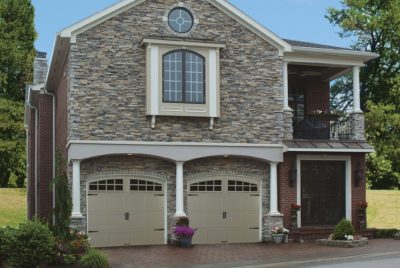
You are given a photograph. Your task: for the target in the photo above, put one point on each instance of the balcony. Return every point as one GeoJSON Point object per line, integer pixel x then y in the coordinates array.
{"type": "Point", "coordinates": [322, 127]}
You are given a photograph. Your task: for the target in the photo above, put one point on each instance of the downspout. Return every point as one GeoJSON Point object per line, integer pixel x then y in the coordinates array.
{"type": "Point", "coordinates": [54, 146]}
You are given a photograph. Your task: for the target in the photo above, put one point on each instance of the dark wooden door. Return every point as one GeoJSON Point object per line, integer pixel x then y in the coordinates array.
{"type": "Point", "coordinates": [323, 194]}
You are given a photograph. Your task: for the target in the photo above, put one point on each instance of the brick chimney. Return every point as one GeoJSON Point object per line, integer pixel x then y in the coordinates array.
{"type": "Point", "coordinates": [40, 68]}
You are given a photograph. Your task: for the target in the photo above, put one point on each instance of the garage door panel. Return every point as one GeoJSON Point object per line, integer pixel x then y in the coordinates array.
{"type": "Point", "coordinates": [242, 235]}
{"type": "Point", "coordinates": [230, 215]}
{"type": "Point", "coordinates": [144, 225]}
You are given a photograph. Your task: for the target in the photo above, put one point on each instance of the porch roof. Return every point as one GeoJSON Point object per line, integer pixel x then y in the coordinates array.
{"type": "Point", "coordinates": [328, 146]}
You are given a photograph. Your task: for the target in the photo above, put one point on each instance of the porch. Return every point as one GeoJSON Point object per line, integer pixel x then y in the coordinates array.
{"type": "Point", "coordinates": [307, 103]}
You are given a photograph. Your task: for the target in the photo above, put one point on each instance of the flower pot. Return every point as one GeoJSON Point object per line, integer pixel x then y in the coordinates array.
{"type": "Point", "coordinates": [185, 241]}
{"type": "Point", "coordinates": [278, 238]}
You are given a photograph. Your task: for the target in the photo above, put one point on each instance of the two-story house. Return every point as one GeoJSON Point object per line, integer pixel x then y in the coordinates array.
{"type": "Point", "coordinates": [169, 108]}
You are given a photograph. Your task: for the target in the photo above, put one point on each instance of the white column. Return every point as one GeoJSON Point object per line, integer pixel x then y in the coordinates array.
{"type": "Point", "coordinates": [356, 90]}
{"type": "Point", "coordinates": [76, 189]}
{"type": "Point", "coordinates": [273, 187]}
{"type": "Point", "coordinates": [285, 86]}
{"type": "Point", "coordinates": [179, 190]}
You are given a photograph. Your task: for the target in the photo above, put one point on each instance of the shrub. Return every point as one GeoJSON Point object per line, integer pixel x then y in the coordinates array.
{"type": "Point", "coordinates": [385, 233]}
{"type": "Point", "coordinates": [29, 245]}
{"type": "Point", "coordinates": [3, 240]}
{"type": "Point", "coordinates": [94, 259]}
{"type": "Point", "coordinates": [343, 228]}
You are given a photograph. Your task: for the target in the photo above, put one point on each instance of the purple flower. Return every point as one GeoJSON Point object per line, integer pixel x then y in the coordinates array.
{"type": "Point", "coordinates": [184, 231]}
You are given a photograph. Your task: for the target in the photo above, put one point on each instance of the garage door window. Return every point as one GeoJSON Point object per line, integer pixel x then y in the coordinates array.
{"type": "Point", "coordinates": [145, 186]}
{"type": "Point", "coordinates": [107, 185]}
{"type": "Point", "coordinates": [206, 186]}
{"type": "Point", "coordinates": [241, 186]}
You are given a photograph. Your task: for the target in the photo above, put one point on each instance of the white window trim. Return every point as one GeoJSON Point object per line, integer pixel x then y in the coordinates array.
{"type": "Point", "coordinates": [155, 49]}
{"type": "Point", "coordinates": [348, 184]}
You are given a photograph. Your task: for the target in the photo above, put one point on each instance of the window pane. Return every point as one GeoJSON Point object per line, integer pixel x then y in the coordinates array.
{"type": "Point", "coordinates": [173, 77]}
{"type": "Point", "coordinates": [194, 72]}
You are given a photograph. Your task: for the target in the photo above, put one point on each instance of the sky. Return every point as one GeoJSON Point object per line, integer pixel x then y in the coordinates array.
{"type": "Point", "coordinates": [302, 20]}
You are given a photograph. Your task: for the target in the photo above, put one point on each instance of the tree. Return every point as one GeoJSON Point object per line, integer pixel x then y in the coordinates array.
{"type": "Point", "coordinates": [376, 26]}
{"type": "Point", "coordinates": [12, 141]}
{"type": "Point", "coordinates": [17, 36]}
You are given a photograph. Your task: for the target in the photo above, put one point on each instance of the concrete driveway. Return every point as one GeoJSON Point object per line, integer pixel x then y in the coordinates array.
{"type": "Point", "coordinates": [248, 255]}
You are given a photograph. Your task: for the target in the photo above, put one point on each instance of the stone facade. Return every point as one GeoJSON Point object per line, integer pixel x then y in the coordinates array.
{"type": "Point", "coordinates": [146, 166]}
{"type": "Point", "coordinates": [288, 125]}
{"type": "Point", "coordinates": [39, 68]}
{"type": "Point", "coordinates": [357, 126]}
{"type": "Point", "coordinates": [108, 81]}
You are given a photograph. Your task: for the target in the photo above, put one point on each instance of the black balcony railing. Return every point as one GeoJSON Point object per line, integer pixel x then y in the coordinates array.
{"type": "Point", "coordinates": [322, 127]}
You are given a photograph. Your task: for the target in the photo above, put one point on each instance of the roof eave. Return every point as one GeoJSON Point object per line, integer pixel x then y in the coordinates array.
{"type": "Point", "coordinates": [362, 55]}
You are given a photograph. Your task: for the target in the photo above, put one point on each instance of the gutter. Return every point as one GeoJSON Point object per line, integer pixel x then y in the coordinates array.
{"type": "Point", "coordinates": [335, 52]}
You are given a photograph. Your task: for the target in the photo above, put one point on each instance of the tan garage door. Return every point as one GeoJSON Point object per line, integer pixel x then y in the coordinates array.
{"type": "Point", "coordinates": [124, 212]}
{"type": "Point", "coordinates": [224, 210]}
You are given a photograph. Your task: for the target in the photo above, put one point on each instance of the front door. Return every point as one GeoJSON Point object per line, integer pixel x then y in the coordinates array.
{"type": "Point", "coordinates": [323, 194]}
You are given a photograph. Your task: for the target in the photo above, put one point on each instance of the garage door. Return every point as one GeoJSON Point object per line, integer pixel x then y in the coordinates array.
{"type": "Point", "coordinates": [123, 212]}
{"type": "Point", "coordinates": [224, 210]}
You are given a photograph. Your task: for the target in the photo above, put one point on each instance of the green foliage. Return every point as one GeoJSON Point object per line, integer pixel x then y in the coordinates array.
{"type": "Point", "coordinates": [63, 205]}
{"type": "Point", "coordinates": [94, 259]}
{"type": "Point", "coordinates": [17, 36]}
{"type": "Point", "coordinates": [12, 181]}
{"type": "Point", "coordinates": [383, 121]}
{"type": "Point", "coordinates": [29, 245]}
{"type": "Point", "coordinates": [375, 24]}
{"type": "Point", "coordinates": [12, 142]}
{"type": "Point", "coordinates": [343, 228]}
{"type": "Point", "coordinates": [2, 243]}
{"type": "Point", "coordinates": [385, 233]}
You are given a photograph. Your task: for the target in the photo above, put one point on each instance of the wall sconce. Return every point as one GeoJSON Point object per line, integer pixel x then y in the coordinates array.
{"type": "Point", "coordinates": [358, 175]}
{"type": "Point", "coordinates": [292, 174]}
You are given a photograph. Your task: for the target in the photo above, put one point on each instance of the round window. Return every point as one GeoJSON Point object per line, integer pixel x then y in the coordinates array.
{"type": "Point", "coordinates": [180, 20]}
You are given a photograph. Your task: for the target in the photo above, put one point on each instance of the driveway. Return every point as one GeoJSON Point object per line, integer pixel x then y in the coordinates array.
{"type": "Point", "coordinates": [239, 255]}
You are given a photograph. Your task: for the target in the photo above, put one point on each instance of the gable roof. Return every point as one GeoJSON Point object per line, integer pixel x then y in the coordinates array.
{"type": "Point", "coordinates": [223, 5]}
{"type": "Point", "coordinates": [297, 43]}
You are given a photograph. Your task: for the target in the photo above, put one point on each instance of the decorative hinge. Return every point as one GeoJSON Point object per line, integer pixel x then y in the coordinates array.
{"type": "Point", "coordinates": [93, 232]}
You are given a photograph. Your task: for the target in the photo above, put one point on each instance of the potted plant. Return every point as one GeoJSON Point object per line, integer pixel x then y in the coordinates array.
{"type": "Point", "coordinates": [184, 235]}
{"type": "Point", "coordinates": [294, 208]}
{"type": "Point", "coordinates": [279, 234]}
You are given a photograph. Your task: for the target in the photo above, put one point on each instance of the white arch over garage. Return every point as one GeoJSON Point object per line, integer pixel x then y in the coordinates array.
{"type": "Point", "coordinates": [178, 152]}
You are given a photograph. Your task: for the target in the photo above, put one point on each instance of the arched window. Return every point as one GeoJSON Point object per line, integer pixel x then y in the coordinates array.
{"type": "Point", "coordinates": [183, 77]}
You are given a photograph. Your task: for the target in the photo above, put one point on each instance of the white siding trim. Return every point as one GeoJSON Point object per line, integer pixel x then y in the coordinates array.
{"type": "Point", "coordinates": [212, 66]}
{"type": "Point", "coordinates": [154, 79]}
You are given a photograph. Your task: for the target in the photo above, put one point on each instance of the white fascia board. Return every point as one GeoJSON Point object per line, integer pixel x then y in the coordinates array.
{"type": "Point", "coordinates": [150, 41]}
{"type": "Point", "coordinates": [251, 24]}
{"type": "Point", "coordinates": [355, 53]}
{"type": "Point", "coordinates": [200, 144]}
{"type": "Point", "coordinates": [101, 16]}
{"type": "Point", "coordinates": [327, 150]}
{"type": "Point", "coordinates": [333, 57]}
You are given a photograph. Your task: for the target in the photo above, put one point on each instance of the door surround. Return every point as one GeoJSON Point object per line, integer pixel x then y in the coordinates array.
{"type": "Point", "coordinates": [324, 157]}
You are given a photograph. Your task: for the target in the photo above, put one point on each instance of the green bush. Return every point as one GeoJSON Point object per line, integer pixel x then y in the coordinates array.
{"type": "Point", "coordinates": [29, 245]}
{"type": "Point", "coordinates": [385, 233]}
{"type": "Point", "coordinates": [343, 228]}
{"type": "Point", "coordinates": [2, 243]}
{"type": "Point", "coordinates": [94, 259]}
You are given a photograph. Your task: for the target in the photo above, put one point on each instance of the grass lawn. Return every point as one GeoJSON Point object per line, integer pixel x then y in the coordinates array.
{"type": "Point", "coordinates": [12, 206]}
{"type": "Point", "coordinates": [383, 209]}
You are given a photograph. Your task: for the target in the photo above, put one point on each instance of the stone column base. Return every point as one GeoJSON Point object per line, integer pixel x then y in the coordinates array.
{"type": "Point", "coordinates": [78, 223]}
{"type": "Point", "coordinates": [271, 221]}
